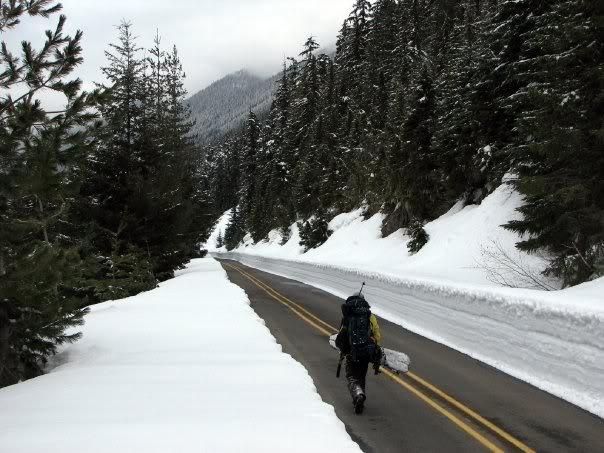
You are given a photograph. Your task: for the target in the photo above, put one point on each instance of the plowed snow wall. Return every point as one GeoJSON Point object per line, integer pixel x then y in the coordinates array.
{"type": "Point", "coordinates": [557, 350]}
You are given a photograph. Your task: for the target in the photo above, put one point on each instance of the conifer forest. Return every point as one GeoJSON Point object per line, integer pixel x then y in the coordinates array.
{"type": "Point", "coordinates": [423, 104]}
{"type": "Point", "coordinates": [427, 102]}
{"type": "Point", "coordinates": [98, 201]}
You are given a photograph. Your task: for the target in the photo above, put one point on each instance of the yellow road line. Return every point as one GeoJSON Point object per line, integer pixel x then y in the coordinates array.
{"type": "Point", "coordinates": [285, 300]}
{"type": "Point", "coordinates": [278, 299]}
{"type": "Point", "coordinates": [487, 443]}
{"type": "Point", "coordinates": [275, 295]}
{"type": "Point", "coordinates": [473, 414]}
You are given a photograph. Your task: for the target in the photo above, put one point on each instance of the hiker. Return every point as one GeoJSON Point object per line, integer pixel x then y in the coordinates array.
{"type": "Point", "coordinates": [358, 339]}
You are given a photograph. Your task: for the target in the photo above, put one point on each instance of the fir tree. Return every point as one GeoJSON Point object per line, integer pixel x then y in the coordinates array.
{"type": "Point", "coordinates": [419, 236]}
{"type": "Point", "coordinates": [219, 240]}
{"type": "Point", "coordinates": [561, 167]}
{"type": "Point", "coordinates": [235, 231]}
{"type": "Point", "coordinates": [411, 161]}
{"type": "Point", "coordinates": [248, 168]}
{"type": "Point", "coordinates": [429, 102]}
{"type": "Point", "coordinates": [464, 158]}
{"type": "Point", "coordinates": [281, 161]}
{"type": "Point", "coordinates": [172, 217]}
{"type": "Point", "coordinates": [107, 198]}
{"type": "Point", "coordinates": [40, 156]}
{"type": "Point", "coordinates": [314, 231]}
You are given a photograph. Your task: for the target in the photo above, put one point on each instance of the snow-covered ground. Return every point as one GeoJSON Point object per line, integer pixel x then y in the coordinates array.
{"type": "Point", "coordinates": [187, 367]}
{"type": "Point", "coordinates": [458, 249]}
{"type": "Point", "coordinates": [552, 339]}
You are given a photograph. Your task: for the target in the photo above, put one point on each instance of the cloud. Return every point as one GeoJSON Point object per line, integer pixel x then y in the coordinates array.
{"type": "Point", "coordinates": [213, 37]}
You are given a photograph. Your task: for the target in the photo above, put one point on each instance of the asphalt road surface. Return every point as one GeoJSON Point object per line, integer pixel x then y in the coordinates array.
{"type": "Point", "coordinates": [448, 402]}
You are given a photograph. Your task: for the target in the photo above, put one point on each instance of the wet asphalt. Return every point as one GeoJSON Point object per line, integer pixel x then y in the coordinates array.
{"type": "Point", "coordinates": [396, 419]}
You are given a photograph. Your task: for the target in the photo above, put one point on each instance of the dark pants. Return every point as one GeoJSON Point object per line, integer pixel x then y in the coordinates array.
{"type": "Point", "coordinates": [355, 374]}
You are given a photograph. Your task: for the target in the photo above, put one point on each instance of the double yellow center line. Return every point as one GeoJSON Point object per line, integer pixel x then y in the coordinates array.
{"type": "Point", "coordinates": [329, 330]}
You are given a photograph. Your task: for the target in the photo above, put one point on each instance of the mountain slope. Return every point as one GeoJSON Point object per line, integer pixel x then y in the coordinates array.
{"type": "Point", "coordinates": [224, 105]}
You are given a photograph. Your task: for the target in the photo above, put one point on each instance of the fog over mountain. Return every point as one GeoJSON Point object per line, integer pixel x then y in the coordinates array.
{"type": "Point", "coordinates": [224, 105]}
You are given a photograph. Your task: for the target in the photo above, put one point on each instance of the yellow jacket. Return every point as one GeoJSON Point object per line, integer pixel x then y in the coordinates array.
{"type": "Point", "coordinates": [376, 336]}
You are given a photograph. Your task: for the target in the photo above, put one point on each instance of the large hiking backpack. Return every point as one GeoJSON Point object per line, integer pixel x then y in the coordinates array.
{"type": "Point", "coordinates": [356, 313]}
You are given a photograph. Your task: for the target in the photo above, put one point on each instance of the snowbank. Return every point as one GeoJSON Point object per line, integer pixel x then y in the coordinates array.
{"type": "Point", "coordinates": [545, 341]}
{"type": "Point", "coordinates": [218, 230]}
{"type": "Point", "coordinates": [553, 340]}
{"type": "Point", "coordinates": [186, 367]}
{"type": "Point", "coordinates": [455, 252]}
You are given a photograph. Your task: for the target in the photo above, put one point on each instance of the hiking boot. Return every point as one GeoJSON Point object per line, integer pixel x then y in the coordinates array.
{"type": "Point", "coordinates": [359, 402]}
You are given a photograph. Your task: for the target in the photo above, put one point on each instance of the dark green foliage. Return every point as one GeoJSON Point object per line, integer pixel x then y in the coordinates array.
{"type": "Point", "coordinates": [418, 235]}
{"type": "Point", "coordinates": [235, 232]}
{"type": "Point", "coordinates": [118, 275]}
{"type": "Point", "coordinates": [427, 103]}
{"type": "Point", "coordinates": [314, 231]}
{"type": "Point", "coordinates": [142, 190]}
{"type": "Point", "coordinates": [220, 240]}
{"type": "Point", "coordinates": [414, 167]}
{"type": "Point", "coordinates": [89, 210]}
{"type": "Point", "coordinates": [40, 158]}
{"type": "Point", "coordinates": [561, 169]}
{"type": "Point", "coordinates": [36, 309]}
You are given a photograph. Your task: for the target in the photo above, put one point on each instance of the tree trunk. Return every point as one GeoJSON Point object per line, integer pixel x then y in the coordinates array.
{"type": "Point", "coordinates": [2, 265]}
{"type": "Point", "coordinates": [5, 329]}
{"type": "Point", "coordinates": [43, 222]}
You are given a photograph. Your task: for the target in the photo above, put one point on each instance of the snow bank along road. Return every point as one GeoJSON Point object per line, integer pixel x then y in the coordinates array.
{"type": "Point", "coordinates": [449, 402]}
{"type": "Point", "coordinates": [555, 347]}
{"type": "Point", "coordinates": [187, 367]}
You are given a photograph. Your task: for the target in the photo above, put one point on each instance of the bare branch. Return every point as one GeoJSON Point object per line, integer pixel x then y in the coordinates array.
{"type": "Point", "coordinates": [511, 271]}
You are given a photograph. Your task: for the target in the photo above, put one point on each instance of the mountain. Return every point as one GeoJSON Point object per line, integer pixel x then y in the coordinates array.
{"type": "Point", "coordinates": [224, 105]}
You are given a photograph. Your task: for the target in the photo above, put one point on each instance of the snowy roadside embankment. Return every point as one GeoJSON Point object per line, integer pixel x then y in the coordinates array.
{"type": "Point", "coordinates": [445, 292]}
{"type": "Point", "coordinates": [186, 367]}
{"type": "Point", "coordinates": [539, 337]}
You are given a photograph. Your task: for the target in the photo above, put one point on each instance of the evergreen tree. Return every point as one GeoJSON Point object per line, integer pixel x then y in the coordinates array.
{"type": "Point", "coordinates": [429, 102]}
{"type": "Point", "coordinates": [40, 157]}
{"type": "Point", "coordinates": [381, 59]}
{"type": "Point", "coordinates": [221, 166]}
{"type": "Point", "coordinates": [413, 166]}
{"type": "Point", "coordinates": [144, 186]}
{"type": "Point", "coordinates": [419, 236]}
{"type": "Point", "coordinates": [169, 208]}
{"type": "Point", "coordinates": [314, 231]}
{"type": "Point", "coordinates": [108, 199]}
{"type": "Point", "coordinates": [561, 168]}
{"type": "Point", "coordinates": [220, 240]}
{"type": "Point", "coordinates": [248, 168]}
{"type": "Point", "coordinates": [281, 162]}
{"type": "Point", "coordinates": [309, 130]}
{"type": "Point", "coordinates": [463, 156]}
{"type": "Point", "coordinates": [235, 231]}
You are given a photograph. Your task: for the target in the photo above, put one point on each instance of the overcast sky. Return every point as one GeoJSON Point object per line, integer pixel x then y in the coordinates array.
{"type": "Point", "coordinates": [213, 37]}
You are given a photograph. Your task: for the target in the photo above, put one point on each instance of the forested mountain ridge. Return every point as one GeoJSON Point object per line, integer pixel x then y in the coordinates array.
{"type": "Point", "coordinates": [224, 105]}
{"type": "Point", "coordinates": [426, 103]}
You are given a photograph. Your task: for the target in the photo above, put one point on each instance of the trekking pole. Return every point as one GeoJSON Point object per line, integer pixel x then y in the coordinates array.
{"type": "Point", "coordinates": [361, 291]}
{"type": "Point", "coordinates": [339, 365]}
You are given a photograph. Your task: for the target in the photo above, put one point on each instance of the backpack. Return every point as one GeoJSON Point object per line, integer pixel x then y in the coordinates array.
{"type": "Point", "coordinates": [356, 320]}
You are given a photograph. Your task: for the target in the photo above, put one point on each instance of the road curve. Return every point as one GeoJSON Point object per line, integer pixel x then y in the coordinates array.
{"type": "Point", "coordinates": [448, 403]}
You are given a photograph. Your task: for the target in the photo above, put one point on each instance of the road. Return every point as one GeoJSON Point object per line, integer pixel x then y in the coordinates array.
{"type": "Point", "coordinates": [449, 402]}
